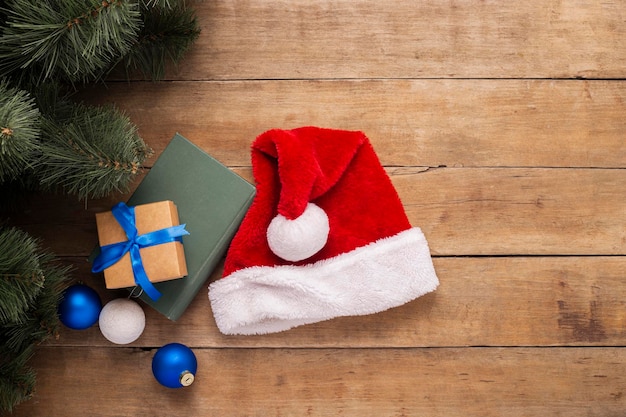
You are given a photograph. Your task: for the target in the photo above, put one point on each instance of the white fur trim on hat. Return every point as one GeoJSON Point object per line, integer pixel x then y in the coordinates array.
{"type": "Point", "coordinates": [383, 274]}
{"type": "Point", "coordinates": [300, 238]}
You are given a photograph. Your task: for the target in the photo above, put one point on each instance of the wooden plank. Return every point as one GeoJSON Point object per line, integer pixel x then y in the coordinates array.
{"type": "Point", "coordinates": [372, 39]}
{"type": "Point", "coordinates": [517, 301]}
{"type": "Point", "coordinates": [322, 382]}
{"type": "Point", "coordinates": [462, 212]}
{"type": "Point", "coordinates": [454, 123]}
{"type": "Point", "coordinates": [517, 211]}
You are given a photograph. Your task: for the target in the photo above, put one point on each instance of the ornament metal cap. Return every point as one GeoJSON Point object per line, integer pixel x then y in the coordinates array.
{"type": "Point", "coordinates": [186, 378]}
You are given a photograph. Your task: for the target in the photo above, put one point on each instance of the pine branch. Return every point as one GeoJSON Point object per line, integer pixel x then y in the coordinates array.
{"type": "Point", "coordinates": [76, 39]}
{"type": "Point", "coordinates": [42, 320]}
{"type": "Point", "coordinates": [19, 131]}
{"type": "Point", "coordinates": [31, 285]}
{"type": "Point", "coordinates": [21, 277]}
{"type": "Point", "coordinates": [96, 151]}
{"type": "Point", "coordinates": [54, 100]}
{"type": "Point", "coordinates": [168, 30]}
{"type": "Point", "coordinates": [17, 379]}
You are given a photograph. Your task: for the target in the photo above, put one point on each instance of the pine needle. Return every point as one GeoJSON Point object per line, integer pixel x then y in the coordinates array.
{"type": "Point", "coordinates": [75, 39]}
{"type": "Point", "coordinates": [19, 131]}
{"type": "Point", "coordinates": [21, 276]}
{"type": "Point", "coordinates": [17, 379]}
{"type": "Point", "coordinates": [168, 32]}
{"type": "Point", "coordinates": [93, 153]}
{"type": "Point", "coordinates": [31, 287]}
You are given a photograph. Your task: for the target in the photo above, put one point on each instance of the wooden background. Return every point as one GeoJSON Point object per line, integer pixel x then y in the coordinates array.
{"type": "Point", "coordinates": [502, 127]}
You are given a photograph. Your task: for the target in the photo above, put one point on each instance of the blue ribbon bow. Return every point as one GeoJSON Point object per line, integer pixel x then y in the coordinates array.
{"type": "Point", "coordinates": [112, 253]}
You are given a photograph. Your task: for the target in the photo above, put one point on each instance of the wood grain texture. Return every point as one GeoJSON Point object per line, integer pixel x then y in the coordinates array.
{"type": "Point", "coordinates": [321, 382]}
{"type": "Point", "coordinates": [273, 39]}
{"type": "Point", "coordinates": [517, 211]}
{"type": "Point", "coordinates": [453, 123]}
{"type": "Point", "coordinates": [504, 301]}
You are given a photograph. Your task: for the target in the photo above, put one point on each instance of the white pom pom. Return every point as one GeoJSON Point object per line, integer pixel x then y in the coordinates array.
{"type": "Point", "coordinates": [301, 238]}
{"type": "Point", "coordinates": [122, 321]}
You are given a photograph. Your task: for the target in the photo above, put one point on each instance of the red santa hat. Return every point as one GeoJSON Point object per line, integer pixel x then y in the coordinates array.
{"type": "Point", "coordinates": [326, 236]}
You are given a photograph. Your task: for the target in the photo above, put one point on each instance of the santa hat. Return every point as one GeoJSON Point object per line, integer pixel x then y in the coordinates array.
{"type": "Point", "coordinates": [326, 236]}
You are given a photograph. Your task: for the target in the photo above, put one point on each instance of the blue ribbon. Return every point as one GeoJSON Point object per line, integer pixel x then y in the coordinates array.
{"type": "Point", "coordinates": [110, 254]}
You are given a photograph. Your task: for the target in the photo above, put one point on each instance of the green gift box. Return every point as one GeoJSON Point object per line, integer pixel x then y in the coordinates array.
{"type": "Point", "coordinates": [211, 200]}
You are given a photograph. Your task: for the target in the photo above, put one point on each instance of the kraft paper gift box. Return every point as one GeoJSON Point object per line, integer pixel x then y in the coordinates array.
{"type": "Point", "coordinates": [162, 262]}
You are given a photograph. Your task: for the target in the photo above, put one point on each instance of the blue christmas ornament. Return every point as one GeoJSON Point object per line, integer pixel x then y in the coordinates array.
{"type": "Point", "coordinates": [174, 365]}
{"type": "Point", "coordinates": [80, 307]}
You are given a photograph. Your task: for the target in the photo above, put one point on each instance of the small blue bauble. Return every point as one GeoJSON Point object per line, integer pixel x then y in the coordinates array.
{"type": "Point", "coordinates": [80, 307]}
{"type": "Point", "coordinates": [174, 365]}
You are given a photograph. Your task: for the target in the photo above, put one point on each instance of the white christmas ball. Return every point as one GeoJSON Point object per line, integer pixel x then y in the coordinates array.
{"type": "Point", "coordinates": [122, 321]}
{"type": "Point", "coordinates": [300, 238]}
